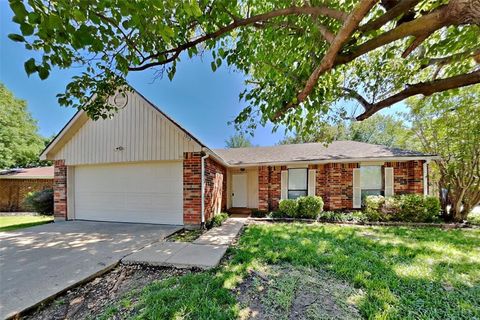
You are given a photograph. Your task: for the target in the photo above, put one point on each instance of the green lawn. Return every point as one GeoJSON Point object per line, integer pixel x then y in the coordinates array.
{"type": "Point", "coordinates": [9, 223]}
{"type": "Point", "coordinates": [397, 272]}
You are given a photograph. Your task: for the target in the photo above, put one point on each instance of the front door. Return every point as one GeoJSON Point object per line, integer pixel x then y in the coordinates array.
{"type": "Point", "coordinates": [239, 192]}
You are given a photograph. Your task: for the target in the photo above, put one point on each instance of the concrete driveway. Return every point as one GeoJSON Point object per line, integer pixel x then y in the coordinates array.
{"type": "Point", "coordinates": [38, 262]}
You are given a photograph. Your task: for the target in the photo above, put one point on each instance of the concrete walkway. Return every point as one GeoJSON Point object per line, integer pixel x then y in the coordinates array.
{"type": "Point", "coordinates": [205, 252]}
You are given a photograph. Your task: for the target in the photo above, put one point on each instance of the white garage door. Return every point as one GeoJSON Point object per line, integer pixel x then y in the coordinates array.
{"type": "Point", "coordinates": [143, 192]}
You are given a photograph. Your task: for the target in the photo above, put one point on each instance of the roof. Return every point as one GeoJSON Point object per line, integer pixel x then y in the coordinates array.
{"type": "Point", "coordinates": [28, 173]}
{"type": "Point", "coordinates": [337, 151]}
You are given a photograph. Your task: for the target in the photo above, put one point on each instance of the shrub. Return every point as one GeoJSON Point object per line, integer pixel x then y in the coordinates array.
{"type": "Point", "coordinates": [309, 207]}
{"type": "Point", "coordinates": [407, 208]}
{"type": "Point", "coordinates": [289, 207]}
{"type": "Point", "coordinates": [40, 201]}
{"type": "Point", "coordinates": [276, 214]}
{"type": "Point", "coordinates": [335, 216]}
{"type": "Point", "coordinates": [216, 220]}
{"type": "Point", "coordinates": [258, 214]}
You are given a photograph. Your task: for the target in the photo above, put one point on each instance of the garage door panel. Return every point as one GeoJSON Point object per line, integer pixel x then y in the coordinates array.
{"type": "Point", "coordinates": [143, 192]}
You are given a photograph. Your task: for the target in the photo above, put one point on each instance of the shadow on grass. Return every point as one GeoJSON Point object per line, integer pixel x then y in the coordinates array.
{"type": "Point", "coordinates": [24, 225]}
{"type": "Point", "coordinates": [405, 273]}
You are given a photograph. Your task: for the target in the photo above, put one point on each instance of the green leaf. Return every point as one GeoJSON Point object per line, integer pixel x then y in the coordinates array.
{"type": "Point", "coordinates": [213, 65]}
{"type": "Point", "coordinates": [79, 16]}
{"type": "Point", "coordinates": [27, 29]}
{"type": "Point", "coordinates": [30, 66]}
{"type": "Point", "coordinates": [16, 37]}
{"type": "Point", "coordinates": [43, 73]}
{"type": "Point", "coordinates": [19, 9]}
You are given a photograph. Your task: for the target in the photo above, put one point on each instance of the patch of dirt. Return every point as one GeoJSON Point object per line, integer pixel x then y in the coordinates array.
{"type": "Point", "coordinates": [289, 292]}
{"type": "Point", "coordinates": [185, 235]}
{"type": "Point", "coordinates": [90, 300]}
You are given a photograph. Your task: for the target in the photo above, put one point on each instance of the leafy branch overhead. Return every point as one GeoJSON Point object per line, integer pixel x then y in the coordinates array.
{"type": "Point", "coordinates": [301, 58]}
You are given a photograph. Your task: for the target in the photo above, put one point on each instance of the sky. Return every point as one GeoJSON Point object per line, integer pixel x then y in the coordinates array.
{"type": "Point", "coordinates": [201, 100]}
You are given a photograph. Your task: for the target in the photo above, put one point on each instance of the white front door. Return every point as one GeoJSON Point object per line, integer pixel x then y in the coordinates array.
{"type": "Point", "coordinates": [239, 190]}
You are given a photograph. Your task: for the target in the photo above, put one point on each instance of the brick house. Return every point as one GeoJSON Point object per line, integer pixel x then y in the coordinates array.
{"type": "Point", "coordinates": [16, 184]}
{"type": "Point", "coordinates": [142, 166]}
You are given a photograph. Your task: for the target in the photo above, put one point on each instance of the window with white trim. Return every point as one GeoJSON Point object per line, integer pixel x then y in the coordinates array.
{"type": "Point", "coordinates": [371, 180]}
{"type": "Point", "coordinates": [297, 183]}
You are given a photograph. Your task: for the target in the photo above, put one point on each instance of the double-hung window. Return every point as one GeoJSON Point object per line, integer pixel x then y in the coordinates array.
{"type": "Point", "coordinates": [371, 180]}
{"type": "Point", "coordinates": [297, 183]}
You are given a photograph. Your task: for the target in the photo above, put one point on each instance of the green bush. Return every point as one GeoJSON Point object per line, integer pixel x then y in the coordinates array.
{"type": "Point", "coordinates": [289, 207]}
{"type": "Point", "coordinates": [406, 208]}
{"type": "Point", "coordinates": [217, 220]}
{"type": "Point", "coordinates": [40, 201]}
{"type": "Point", "coordinates": [336, 216]}
{"type": "Point", "coordinates": [276, 214]}
{"type": "Point", "coordinates": [309, 207]}
{"type": "Point", "coordinates": [258, 214]}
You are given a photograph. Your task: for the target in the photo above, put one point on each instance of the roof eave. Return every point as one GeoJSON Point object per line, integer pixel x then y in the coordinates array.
{"type": "Point", "coordinates": [324, 161]}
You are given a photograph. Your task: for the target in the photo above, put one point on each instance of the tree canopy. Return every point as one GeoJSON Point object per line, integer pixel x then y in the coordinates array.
{"type": "Point", "coordinates": [302, 59]}
{"type": "Point", "coordinates": [387, 130]}
{"type": "Point", "coordinates": [20, 144]}
{"type": "Point", "coordinates": [450, 128]}
{"type": "Point", "coordinates": [238, 141]}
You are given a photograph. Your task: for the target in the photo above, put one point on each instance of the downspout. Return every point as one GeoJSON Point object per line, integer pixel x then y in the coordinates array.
{"type": "Point", "coordinates": [203, 190]}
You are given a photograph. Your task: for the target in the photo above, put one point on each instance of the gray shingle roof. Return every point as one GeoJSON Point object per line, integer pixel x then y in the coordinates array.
{"type": "Point", "coordinates": [335, 151]}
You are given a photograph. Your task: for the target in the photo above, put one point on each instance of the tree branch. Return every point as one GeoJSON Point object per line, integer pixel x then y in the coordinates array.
{"type": "Point", "coordinates": [458, 56]}
{"type": "Point", "coordinates": [327, 63]}
{"type": "Point", "coordinates": [354, 94]}
{"type": "Point", "coordinates": [425, 88]}
{"type": "Point", "coordinates": [401, 8]}
{"type": "Point", "coordinates": [322, 10]}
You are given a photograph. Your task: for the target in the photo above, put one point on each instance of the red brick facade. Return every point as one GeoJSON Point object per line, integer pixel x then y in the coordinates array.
{"type": "Point", "coordinates": [334, 183]}
{"type": "Point", "coordinates": [60, 190]}
{"type": "Point", "coordinates": [215, 188]}
{"type": "Point", "coordinates": [408, 176]}
{"type": "Point", "coordinates": [14, 191]}
{"type": "Point", "coordinates": [192, 188]}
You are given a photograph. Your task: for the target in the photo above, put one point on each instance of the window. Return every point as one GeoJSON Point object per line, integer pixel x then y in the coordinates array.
{"type": "Point", "coordinates": [297, 183]}
{"type": "Point", "coordinates": [371, 180]}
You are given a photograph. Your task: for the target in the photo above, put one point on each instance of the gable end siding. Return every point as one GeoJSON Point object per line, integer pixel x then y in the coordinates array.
{"type": "Point", "coordinates": [142, 132]}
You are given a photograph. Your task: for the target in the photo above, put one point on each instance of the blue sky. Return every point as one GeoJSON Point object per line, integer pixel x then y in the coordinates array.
{"type": "Point", "coordinates": [201, 100]}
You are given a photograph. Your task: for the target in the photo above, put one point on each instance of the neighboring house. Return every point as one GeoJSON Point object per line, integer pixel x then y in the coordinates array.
{"type": "Point", "coordinates": [15, 184]}
{"type": "Point", "coordinates": [141, 166]}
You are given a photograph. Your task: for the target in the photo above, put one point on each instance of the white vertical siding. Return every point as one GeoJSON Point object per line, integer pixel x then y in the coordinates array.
{"type": "Point", "coordinates": [144, 134]}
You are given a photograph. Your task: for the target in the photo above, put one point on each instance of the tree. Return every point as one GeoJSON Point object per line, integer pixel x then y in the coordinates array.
{"type": "Point", "coordinates": [450, 127]}
{"type": "Point", "coordinates": [301, 58]}
{"type": "Point", "coordinates": [238, 141]}
{"type": "Point", "coordinates": [20, 144]}
{"type": "Point", "coordinates": [386, 130]}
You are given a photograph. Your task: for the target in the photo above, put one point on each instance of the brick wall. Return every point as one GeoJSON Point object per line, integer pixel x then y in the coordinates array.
{"type": "Point", "coordinates": [215, 188]}
{"type": "Point", "coordinates": [14, 191]}
{"type": "Point", "coordinates": [335, 184]}
{"type": "Point", "coordinates": [263, 178]}
{"type": "Point", "coordinates": [269, 187]}
{"type": "Point", "coordinates": [60, 190]}
{"type": "Point", "coordinates": [408, 176]}
{"type": "Point", "coordinates": [192, 188]}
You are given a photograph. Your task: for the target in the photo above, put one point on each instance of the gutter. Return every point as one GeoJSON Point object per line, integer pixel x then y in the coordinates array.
{"type": "Point", "coordinates": [203, 189]}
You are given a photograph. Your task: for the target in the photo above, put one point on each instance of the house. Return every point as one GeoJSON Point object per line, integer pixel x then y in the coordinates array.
{"type": "Point", "coordinates": [16, 184]}
{"type": "Point", "coordinates": [142, 166]}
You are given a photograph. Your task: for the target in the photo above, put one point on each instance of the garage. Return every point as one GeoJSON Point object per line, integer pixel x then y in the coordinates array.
{"type": "Point", "coordinates": [150, 192]}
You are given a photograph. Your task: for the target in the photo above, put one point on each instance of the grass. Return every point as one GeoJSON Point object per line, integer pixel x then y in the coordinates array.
{"type": "Point", "coordinates": [10, 223]}
{"type": "Point", "coordinates": [404, 273]}
{"type": "Point", "coordinates": [186, 235]}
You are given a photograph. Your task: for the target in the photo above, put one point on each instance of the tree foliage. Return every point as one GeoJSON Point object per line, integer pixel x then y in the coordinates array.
{"type": "Point", "coordinates": [450, 127]}
{"type": "Point", "coordinates": [238, 141]}
{"type": "Point", "coordinates": [387, 130]}
{"type": "Point", "coordinates": [20, 144]}
{"type": "Point", "coordinates": [300, 58]}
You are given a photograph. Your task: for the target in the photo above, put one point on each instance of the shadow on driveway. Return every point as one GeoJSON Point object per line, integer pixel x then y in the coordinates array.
{"type": "Point", "coordinates": [41, 261]}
